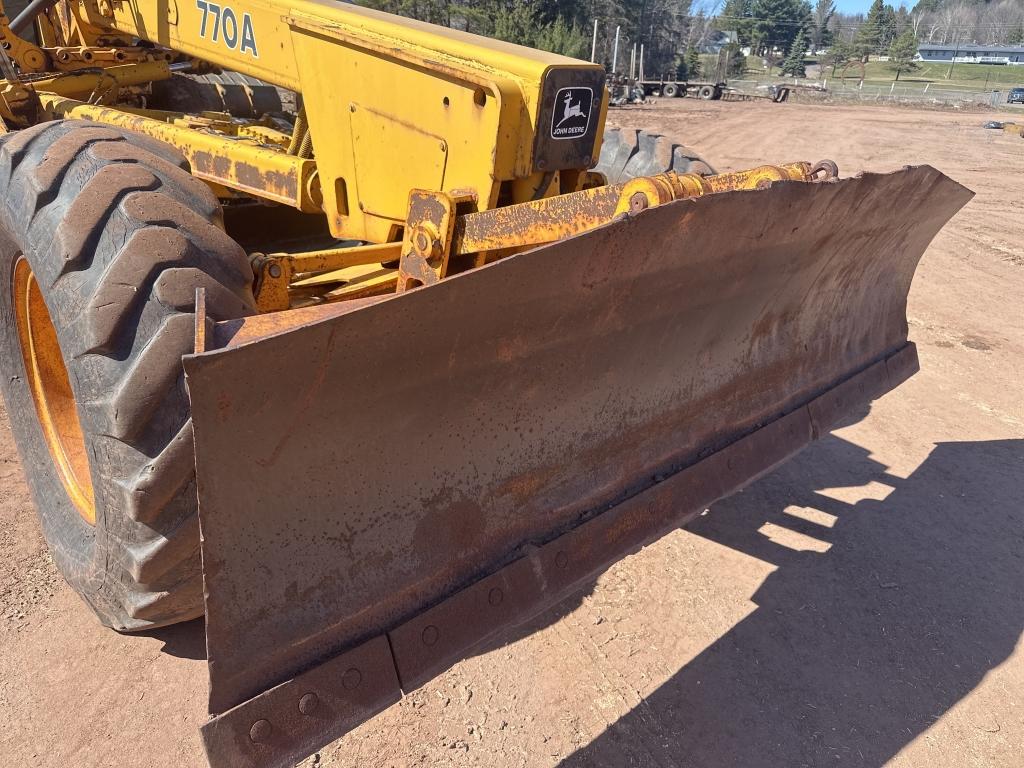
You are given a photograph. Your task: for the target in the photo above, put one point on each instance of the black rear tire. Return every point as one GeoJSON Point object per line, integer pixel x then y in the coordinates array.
{"type": "Point", "coordinates": [627, 153]}
{"type": "Point", "coordinates": [706, 92]}
{"type": "Point", "coordinates": [118, 236]}
{"type": "Point", "coordinates": [670, 90]}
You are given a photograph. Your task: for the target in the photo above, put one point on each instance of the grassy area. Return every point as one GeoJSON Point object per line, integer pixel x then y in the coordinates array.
{"type": "Point", "coordinates": [975, 77]}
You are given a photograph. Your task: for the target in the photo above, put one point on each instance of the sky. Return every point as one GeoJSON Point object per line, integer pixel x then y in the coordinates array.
{"type": "Point", "coordinates": [861, 6]}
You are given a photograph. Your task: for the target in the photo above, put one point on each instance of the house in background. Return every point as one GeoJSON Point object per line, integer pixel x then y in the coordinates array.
{"type": "Point", "coordinates": [971, 54]}
{"type": "Point", "coordinates": [715, 40]}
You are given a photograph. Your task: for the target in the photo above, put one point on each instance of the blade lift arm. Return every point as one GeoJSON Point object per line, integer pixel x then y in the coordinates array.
{"type": "Point", "coordinates": [438, 241]}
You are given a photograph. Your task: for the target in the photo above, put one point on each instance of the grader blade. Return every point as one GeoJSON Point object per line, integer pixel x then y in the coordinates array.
{"type": "Point", "coordinates": [383, 485]}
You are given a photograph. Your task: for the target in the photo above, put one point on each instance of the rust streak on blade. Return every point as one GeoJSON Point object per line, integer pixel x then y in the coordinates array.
{"type": "Point", "coordinates": [543, 575]}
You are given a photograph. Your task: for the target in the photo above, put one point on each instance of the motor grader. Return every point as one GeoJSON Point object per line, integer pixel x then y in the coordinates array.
{"type": "Point", "coordinates": [384, 343]}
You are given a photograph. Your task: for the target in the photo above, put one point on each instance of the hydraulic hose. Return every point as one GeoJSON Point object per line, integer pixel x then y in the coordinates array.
{"type": "Point", "coordinates": [299, 131]}
{"type": "Point", "coordinates": [28, 15]}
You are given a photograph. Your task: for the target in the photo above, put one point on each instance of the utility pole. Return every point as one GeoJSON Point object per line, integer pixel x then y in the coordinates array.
{"type": "Point", "coordinates": [641, 61]}
{"type": "Point", "coordinates": [593, 44]}
{"type": "Point", "coordinates": [615, 52]}
{"type": "Point", "coordinates": [632, 63]}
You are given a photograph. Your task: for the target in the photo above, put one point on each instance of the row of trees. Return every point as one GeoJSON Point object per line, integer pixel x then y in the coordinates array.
{"type": "Point", "coordinates": [791, 28]}
{"type": "Point", "coordinates": [666, 28]}
{"type": "Point", "coordinates": [898, 32]}
{"type": "Point", "coordinates": [672, 31]}
{"type": "Point", "coordinates": [769, 26]}
{"type": "Point", "coordinates": [765, 25]}
{"type": "Point", "coordinates": [984, 22]}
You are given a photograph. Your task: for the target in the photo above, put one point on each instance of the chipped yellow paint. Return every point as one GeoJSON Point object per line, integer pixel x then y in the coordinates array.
{"type": "Point", "coordinates": [247, 166]}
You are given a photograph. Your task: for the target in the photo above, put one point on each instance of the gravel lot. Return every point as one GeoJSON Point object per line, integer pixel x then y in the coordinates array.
{"type": "Point", "coordinates": [861, 606]}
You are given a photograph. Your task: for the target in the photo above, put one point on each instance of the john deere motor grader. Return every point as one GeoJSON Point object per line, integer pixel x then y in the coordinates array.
{"type": "Point", "coordinates": [369, 367]}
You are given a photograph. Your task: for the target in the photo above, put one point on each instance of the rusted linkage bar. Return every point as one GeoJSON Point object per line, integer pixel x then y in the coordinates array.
{"type": "Point", "coordinates": [78, 84]}
{"type": "Point", "coordinates": [550, 219]}
{"type": "Point", "coordinates": [429, 247]}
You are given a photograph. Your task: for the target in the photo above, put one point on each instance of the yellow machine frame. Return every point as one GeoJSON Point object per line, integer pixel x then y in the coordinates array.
{"type": "Point", "coordinates": [430, 144]}
{"type": "Point", "coordinates": [438, 108]}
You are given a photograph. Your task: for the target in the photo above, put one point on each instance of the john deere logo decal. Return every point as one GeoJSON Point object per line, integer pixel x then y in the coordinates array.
{"type": "Point", "coordinates": [571, 115]}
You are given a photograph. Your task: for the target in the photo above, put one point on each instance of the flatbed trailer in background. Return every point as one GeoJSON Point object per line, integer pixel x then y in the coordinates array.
{"type": "Point", "coordinates": [703, 89]}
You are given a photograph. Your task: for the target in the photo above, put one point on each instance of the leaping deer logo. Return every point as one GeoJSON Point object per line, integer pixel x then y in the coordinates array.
{"type": "Point", "coordinates": [571, 110]}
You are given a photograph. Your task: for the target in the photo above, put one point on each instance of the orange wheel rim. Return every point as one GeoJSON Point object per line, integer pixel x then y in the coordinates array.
{"type": "Point", "coordinates": [51, 391]}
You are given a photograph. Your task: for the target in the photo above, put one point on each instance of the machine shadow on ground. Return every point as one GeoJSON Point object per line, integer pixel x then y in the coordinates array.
{"type": "Point", "coordinates": [853, 652]}
{"type": "Point", "coordinates": [183, 641]}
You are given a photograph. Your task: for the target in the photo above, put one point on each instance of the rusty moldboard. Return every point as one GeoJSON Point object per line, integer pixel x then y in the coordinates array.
{"type": "Point", "coordinates": [357, 469]}
{"type": "Point", "coordinates": [294, 719]}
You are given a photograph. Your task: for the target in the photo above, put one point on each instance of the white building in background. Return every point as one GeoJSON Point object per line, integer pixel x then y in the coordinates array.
{"type": "Point", "coordinates": [971, 54]}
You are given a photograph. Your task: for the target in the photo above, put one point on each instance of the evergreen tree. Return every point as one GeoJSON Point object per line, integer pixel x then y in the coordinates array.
{"type": "Point", "coordinates": [434, 11]}
{"type": "Point", "coordinates": [869, 36]}
{"type": "Point", "coordinates": [838, 55]}
{"type": "Point", "coordinates": [903, 20]}
{"type": "Point", "coordinates": [693, 69]}
{"type": "Point", "coordinates": [736, 16]}
{"type": "Point", "coordinates": [1017, 36]}
{"type": "Point", "coordinates": [794, 63]}
{"type": "Point", "coordinates": [821, 35]}
{"type": "Point", "coordinates": [682, 73]}
{"type": "Point", "coordinates": [777, 23]}
{"type": "Point", "coordinates": [902, 53]}
{"type": "Point", "coordinates": [737, 65]}
{"type": "Point", "coordinates": [518, 24]}
{"type": "Point", "coordinates": [565, 26]}
{"type": "Point", "coordinates": [660, 25]}
{"type": "Point", "coordinates": [887, 28]}
{"type": "Point", "coordinates": [561, 37]}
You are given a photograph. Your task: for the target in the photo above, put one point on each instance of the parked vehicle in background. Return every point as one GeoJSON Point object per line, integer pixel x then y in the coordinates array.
{"type": "Point", "coordinates": [712, 86]}
{"type": "Point", "coordinates": [670, 88]}
{"type": "Point", "coordinates": [1016, 96]}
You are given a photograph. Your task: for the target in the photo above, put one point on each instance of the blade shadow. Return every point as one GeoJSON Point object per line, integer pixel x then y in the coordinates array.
{"type": "Point", "coordinates": [852, 652]}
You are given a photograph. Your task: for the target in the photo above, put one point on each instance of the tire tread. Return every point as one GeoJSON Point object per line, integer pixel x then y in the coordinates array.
{"type": "Point", "coordinates": [628, 152]}
{"type": "Point", "coordinates": [120, 235]}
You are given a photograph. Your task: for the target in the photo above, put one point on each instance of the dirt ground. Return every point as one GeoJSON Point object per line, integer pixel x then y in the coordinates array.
{"type": "Point", "coordinates": [861, 606]}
